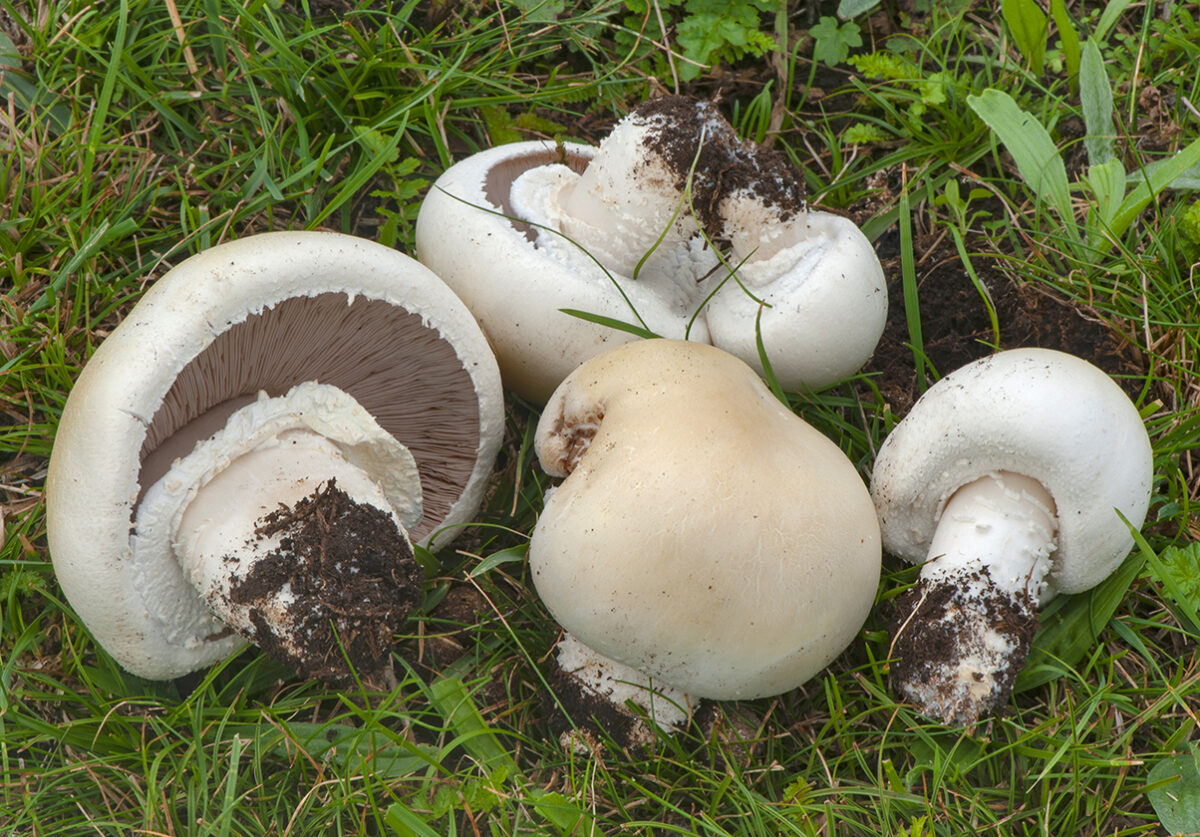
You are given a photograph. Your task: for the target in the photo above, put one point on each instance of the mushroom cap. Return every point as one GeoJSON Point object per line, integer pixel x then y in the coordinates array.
{"type": "Point", "coordinates": [467, 232]}
{"type": "Point", "coordinates": [824, 285]}
{"type": "Point", "coordinates": [262, 313]}
{"type": "Point", "coordinates": [706, 536]}
{"type": "Point", "coordinates": [1041, 413]}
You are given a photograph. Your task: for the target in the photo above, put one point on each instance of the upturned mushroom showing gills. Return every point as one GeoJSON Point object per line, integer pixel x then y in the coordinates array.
{"type": "Point", "coordinates": [247, 454]}
{"type": "Point", "coordinates": [645, 230]}
{"type": "Point", "coordinates": [704, 535]}
{"type": "Point", "coordinates": [1011, 479]}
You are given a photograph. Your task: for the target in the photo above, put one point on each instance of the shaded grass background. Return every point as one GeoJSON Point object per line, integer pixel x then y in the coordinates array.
{"type": "Point", "coordinates": [135, 133]}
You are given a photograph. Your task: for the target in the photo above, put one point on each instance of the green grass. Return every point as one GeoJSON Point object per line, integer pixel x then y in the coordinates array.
{"type": "Point", "coordinates": [129, 141]}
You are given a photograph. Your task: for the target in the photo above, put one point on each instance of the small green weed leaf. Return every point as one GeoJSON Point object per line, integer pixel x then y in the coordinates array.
{"type": "Point", "coordinates": [1036, 156]}
{"type": "Point", "coordinates": [885, 65]}
{"type": "Point", "coordinates": [1095, 96]}
{"type": "Point", "coordinates": [376, 143]}
{"type": "Point", "coordinates": [404, 823]}
{"type": "Point", "coordinates": [1187, 229]}
{"type": "Point", "coordinates": [853, 8]}
{"type": "Point", "coordinates": [1028, 25]}
{"type": "Point", "coordinates": [832, 41]}
{"type": "Point", "coordinates": [500, 127]}
{"type": "Point", "coordinates": [944, 754]}
{"type": "Point", "coordinates": [1175, 792]}
{"type": "Point", "coordinates": [1178, 571]}
{"type": "Point", "coordinates": [561, 812]}
{"type": "Point", "coordinates": [539, 11]}
{"type": "Point", "coordinates": [360, 750]}
{"type": "Point", "coordinates": [1070, 625]}
{"type": "Point", "coordinates": [864, 133]}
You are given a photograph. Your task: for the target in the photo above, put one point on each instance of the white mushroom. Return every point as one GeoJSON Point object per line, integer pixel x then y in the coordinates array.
{"type": "Point", "coordinates": [704, 535]}
{"type": "Point", "coordinates": [255, 386]}
{"type": "Point", "coordinates": [1009, 479]}
{"type": "Point", "coordinates": [526, 230]}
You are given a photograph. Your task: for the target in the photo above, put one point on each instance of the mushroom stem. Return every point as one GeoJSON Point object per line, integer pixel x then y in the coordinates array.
{"type": "Point", "coordinates": [964, 630]}
{"type": "Point", "coordinates": [609, 685]}
{"type": "Point", "coordinates": [290, 523]}
{"type": "Point", "coordinates": [242, 557]}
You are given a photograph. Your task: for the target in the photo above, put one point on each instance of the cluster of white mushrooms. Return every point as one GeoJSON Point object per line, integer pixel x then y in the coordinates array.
{"type": "Point", "coordinates": [249, 453]}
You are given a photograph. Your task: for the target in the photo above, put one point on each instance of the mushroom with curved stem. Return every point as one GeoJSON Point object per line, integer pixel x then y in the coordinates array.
{"type": "Point", "coordinates": [259, 436]}
{"type": "Point", "coordinates": [626, 232]}
{"type": "Point", "coordinates": [1011, 479]}
{"type": "Point", "coordinates": [704, 535]}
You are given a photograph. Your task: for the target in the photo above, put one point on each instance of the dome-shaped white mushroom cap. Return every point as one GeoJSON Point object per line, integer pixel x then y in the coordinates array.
{"type": "Point", "coordinates": [1044, 414]}
{"type": "Point", "coordinates": [263, 313]}
{"type": "Point", "coordinates": [707, 536]}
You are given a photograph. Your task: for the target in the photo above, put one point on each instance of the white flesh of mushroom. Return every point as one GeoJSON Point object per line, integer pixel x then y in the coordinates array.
{"type": "Point", "coordinates": [989, 556]}
{"type": "Point", "coordinates": [202, 515]}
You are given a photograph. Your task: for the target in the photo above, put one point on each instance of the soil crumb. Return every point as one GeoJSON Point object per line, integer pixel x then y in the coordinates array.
{"type": "Point", "coordinates": [354, 580]}
{"type": "Point", "coordinates": [958, 643]}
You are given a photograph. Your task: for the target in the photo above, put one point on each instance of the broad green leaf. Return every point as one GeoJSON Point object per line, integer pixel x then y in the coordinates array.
{"type": "Point", "coordinates": [1037, 158]}
{"type": "Point", "coordinates": [1107, 183]}
{"type": "Point", "coordinates": [561, 812]}
{"type": "Point", "coordinates": [450, 697]}
{"type": "Point", "coordinates": [1028, 25]}
{"type": "Point", "coordinates": [1095, 96]}
{"type": "Point", "coordinates": [1175, 792]}
{"type": "Point", "coordinates": [404, 823]}
{"type": "Point", "coordinates": [853, 8]}
{"type": "Point", "coordinates": [833, 41]}
{"type": "Point", "coordinates": [1158, 177]}
{"type": "Point", "coordinates": [1068, 36]}
{"type": "Point", "coordinates": [1070, 625]}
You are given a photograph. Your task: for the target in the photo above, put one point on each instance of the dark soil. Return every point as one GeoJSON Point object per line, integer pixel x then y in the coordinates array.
{"type": "Point", "coordinates": [695, 141]}
{"type": "Point", "coordinates": [589, 718]}
{"type": "Point", "coordinates": [956, 328]}
{"type": "Point", "coordinates": [355, 580]}
{"type": "Point", "coordinates": [938, 624]}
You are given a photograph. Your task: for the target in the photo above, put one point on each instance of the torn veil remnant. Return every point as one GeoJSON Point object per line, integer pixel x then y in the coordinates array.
{"type": "Point", "coordinates": [248, 452]}
{"type": "Point", "coordinates": [620, 232]}
{"type": "Point", "coordinates": [1009, 478]}
{"type": "Point", "coordinates": [704, 535]}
